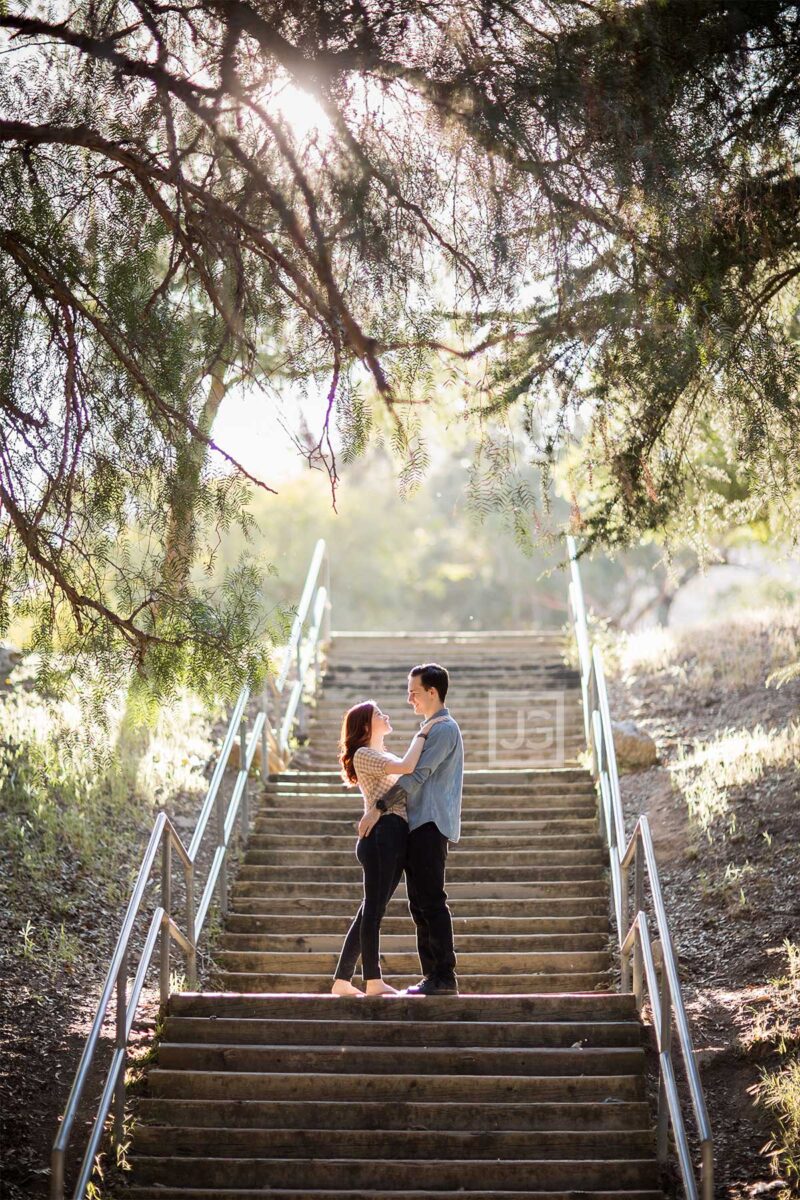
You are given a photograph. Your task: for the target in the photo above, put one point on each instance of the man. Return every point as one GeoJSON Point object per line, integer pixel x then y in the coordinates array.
{"type": "Point", "coordinates": [434, 818]}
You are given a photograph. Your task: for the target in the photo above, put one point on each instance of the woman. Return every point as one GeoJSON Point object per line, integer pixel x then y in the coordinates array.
{"type": "Point", "coordinates": [381, 848]}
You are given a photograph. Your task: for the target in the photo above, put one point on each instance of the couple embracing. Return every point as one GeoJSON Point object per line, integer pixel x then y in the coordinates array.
{"type": "Point", "coordinates": [412, 809]}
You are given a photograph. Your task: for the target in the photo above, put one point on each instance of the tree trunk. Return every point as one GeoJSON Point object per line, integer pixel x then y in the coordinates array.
{"type": "Point", "coordinates": [180, 544]}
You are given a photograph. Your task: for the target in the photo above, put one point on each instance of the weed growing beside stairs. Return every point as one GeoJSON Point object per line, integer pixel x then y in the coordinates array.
{"type": "Point", "coordinates": [76, 814]}
{"type": "Point", "coordinates": [777, 1029]}
{"type": "Point", "coordinates": [721, 700]}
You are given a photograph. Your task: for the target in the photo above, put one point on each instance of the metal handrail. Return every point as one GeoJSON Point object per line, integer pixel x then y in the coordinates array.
{"type": "Point", "coordinates": [164, 838]}
{"type": "Point", "coordinates": [637, 949]}
{"type": "Point", "coordinates": [302, 652]}
{"type": "Point", "coordinates": [308, 655]}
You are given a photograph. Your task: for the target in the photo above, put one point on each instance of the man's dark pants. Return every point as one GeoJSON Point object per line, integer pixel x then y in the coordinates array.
{"type": "Point", "coordinates": [427, 901]}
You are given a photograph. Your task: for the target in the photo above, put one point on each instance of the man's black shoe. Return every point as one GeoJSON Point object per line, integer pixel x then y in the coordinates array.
{"type": "Point", "coordinates": [430, 986]}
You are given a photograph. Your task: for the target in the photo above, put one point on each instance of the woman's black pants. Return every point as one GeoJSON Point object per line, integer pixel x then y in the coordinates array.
{"type": "Point", "coordinates": [382, 855]}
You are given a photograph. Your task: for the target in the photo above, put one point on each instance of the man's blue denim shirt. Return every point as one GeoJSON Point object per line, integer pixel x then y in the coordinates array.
{"type": "Point", "coordinates": [434, 787]}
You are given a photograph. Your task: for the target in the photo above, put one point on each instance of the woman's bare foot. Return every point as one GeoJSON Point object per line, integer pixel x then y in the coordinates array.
{"type": "Point", "coordinates": [376, 987]}
{"type": "Point", "coordinates": [343, 987]}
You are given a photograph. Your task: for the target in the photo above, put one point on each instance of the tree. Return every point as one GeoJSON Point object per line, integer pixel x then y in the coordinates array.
{"type": "Point", "coordinates": [663, 139]}
{"type": "Point", "coordinates": [161, 234]}
{"type": "Point", "coordinates": [588, 208]}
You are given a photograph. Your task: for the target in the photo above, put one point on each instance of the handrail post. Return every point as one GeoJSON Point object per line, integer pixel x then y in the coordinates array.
{"type": "Point", "coordinates": [665, 1044]}
{"type": "Point", "coordinates": [326, 619]}
{"type": "Point", "coordinates": [166, 904]}
{"type": "Point", "coordinates": [638, 906]}
{"type": "Point", "coordinates": [57, 1175]}
{"type": "Point", "coordinates": [301, 708]}
{"type": "Point", "coordinates": [317, 665]}
{"type": "Point", "coordinates": [625, 959]}
{"type": "Point", "coordinates": [191, 964]}
{"type": "Point", "coordinates": [593, 706]}
{"type": "Point", "coordinates": [623, 904]}
{"type": "Point", "coordinates": [245, 825]}
{"type": "Point", "coordinates": [222, 881]}
{"type": "Point", "coordinates": [265, 734]}
{"type": "Point", "coordinates": [120, 1043]}
{"type": "Point", "coordinates": [707, 1157]}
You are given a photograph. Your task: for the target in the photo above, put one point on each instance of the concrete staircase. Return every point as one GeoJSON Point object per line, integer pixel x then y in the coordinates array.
{"type": "Point", "coordinates": [516, 701]}
{"type": "Point", "coordinates": [531, 1083]}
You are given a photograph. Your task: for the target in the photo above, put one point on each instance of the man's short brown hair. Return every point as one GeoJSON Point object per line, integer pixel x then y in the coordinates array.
{"type": "Point", "coordinates": [433, 676]}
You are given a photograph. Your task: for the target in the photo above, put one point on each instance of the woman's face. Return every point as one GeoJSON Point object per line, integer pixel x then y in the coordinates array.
{"type": "Point", "coordinates": [381, 722]}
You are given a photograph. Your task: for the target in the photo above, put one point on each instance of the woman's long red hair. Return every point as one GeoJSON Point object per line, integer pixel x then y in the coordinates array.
{"type": "Point", "coordinates": [356, 732]}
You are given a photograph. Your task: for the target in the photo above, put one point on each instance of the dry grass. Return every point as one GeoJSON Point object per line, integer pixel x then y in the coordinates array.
{"type": "Point", "coordinates": [735, 758]}
{"type": "Point", "coordinates": [73, 794]}
{"type": "Point", "coordinates": [746, 651]}
{"type": "Point", "coordinates": [728, 733]}
{"type": "Point", "coordinates": [778, 1090]}
{"type": "Point", "coordinates": [755, 649]}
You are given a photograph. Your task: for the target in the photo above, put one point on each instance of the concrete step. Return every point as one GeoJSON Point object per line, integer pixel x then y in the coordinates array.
{"type": "Point", "coordinates": [321, 1088]}
{"type": "Point", "coordinates": [380, 1174]}
{"type": "Point", "coordinates": [486, 727]}
{"type": "Point", "coordinates": [540, 703]}
{"type": "Point", "coordinates": [352, 638]}
{"type": "Point", "coordinates": [415, 1144]}
{"type": "Point", "coordinates": [478, 846]}
{"type": "Point", "coordinates": [506, 669]}
{"type": "Point", "coordinates": [406, 943]}
{"type": "Point", "coordinates": [271, 924]}
{"type": "Point", "coordinates": [544, 702]}
{"type": "Point", "coordinates": [492, 658]}
{"type": "Point", "coordinates": [341, 820]}
{"type": "Point", "coordinates": [576, 831]}
{"type": "Point", "coordinates": [518, 777]}
{"type": "Point", "coordinates": [395, 1114]}
{"type": "Point", "coordinates": [478, 985]}
{"type": "Point", "coordinates": [457, 890]}
{"type": "Point", "coordinates": [479, 728]}
{"type": "Point", "coordinates": [568, 752]}
{"type": "Point", "coordinates": [345, 662]}
{"type": "Point", "coordinates": [507, 962]}
{"type": "Point", "coordinates": [505, 690]}
{"type": "Point", "coordinates": [482, 809]}
{"type": "Point", "coordinates": [481, 863]}
{"type": "Point", "coordinates": [549, 788]}
{"type": "Point", "coordinates": [304, 818]}
{"type": "Point", "coordinates": [564, 804]}
{"type": "Point", "coordinates": [335, 790]}
{"type": "Point", "coordinates": [480, 733]}
{"type": "Point", "coordinates": [416, 1060]}
{"type": "Point", "coordinates": [610, 1006]}
{"type": "Point", "coordinates": [465, 908]}
{"type": "Point", "coordinates": [457, 872]}
{"type": "Point", "coordinates": [503, 672]}
{"type": "Point", "coordinates": [528, 805]}
{"type": "Point", "coordinates": [470, 682]}
{"type": "Point", "coordinates": [177, 1193]}
{"type": "Point", "coordinates": [253, 1031]}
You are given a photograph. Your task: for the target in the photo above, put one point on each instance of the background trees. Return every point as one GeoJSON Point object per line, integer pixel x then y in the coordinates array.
{"type": "Point", "coordinates": [587, 212]}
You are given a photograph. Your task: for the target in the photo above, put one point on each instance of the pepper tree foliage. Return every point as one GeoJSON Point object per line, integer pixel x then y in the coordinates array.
{"type": "Point", "coordinates": [587, 209]}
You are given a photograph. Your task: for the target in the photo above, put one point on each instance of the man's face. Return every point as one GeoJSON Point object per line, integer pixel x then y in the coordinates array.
{"type": "Point", "coordinates": [423, 700]}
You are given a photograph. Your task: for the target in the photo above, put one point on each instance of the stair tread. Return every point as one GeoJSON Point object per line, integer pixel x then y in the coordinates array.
{"type": "Point", "coordinates": [145, 1193]}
